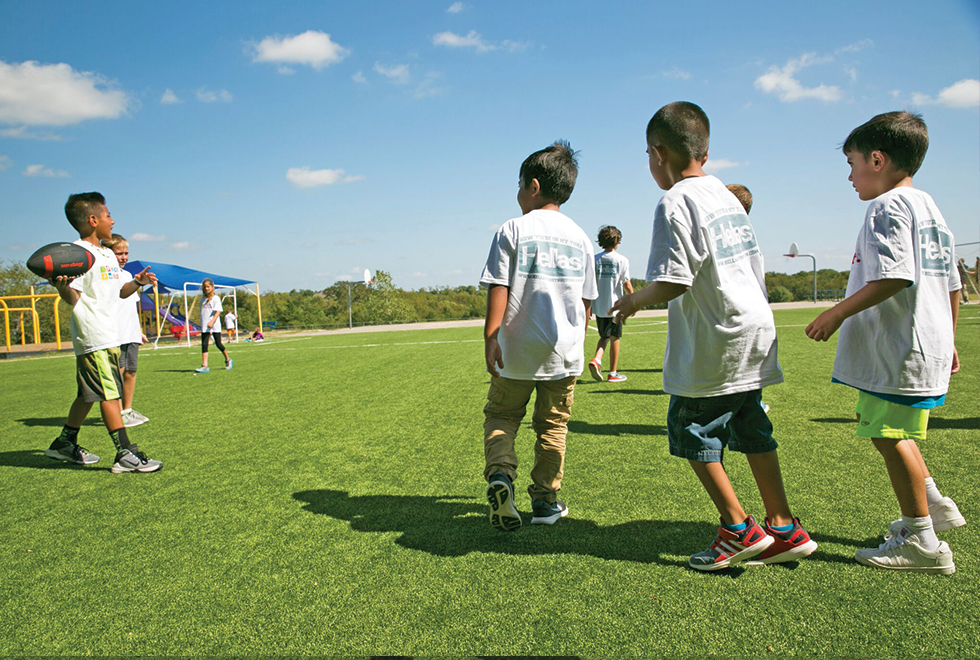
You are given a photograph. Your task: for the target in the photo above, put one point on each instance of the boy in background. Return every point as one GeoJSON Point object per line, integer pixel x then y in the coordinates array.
{"type": "Point", "coordinates": [612, 271]}
{"type": "Point", "coordinates": [721, 340]}
{"type": "Point", "coordinates": [897, 325]}
{"type": "Point", "coordinates": [230, 325]}
{"type": "Point", "coordinates": [541, 279]}
{"type": "Point", "coordinates": [130, 333]}
{"type": "Point", "coordinates": [94, 299]}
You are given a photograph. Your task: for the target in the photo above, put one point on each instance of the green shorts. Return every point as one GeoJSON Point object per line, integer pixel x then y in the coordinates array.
{"type": "Point", "coordinates": [98, 375]}
{"type": "Point", "coordinates": [883, 419]}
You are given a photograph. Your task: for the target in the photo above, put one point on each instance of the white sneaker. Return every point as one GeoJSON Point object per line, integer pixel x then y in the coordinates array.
{"type": "Point", "coordinates": [131, 419]}
{"type": "Point", "coordinates": [140, 416]}
{"type": "Point", "coordinates": [945, 515]}
{"type": "Point", "coordinates": [903, 553]}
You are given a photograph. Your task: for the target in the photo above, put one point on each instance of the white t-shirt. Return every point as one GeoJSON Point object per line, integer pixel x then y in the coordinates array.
{"type": "Point", "coordinates": [208, 308]}
{"type": "Point", "coordinates": [612, 270]}
{"type": "Point", "coordinates": [903, 345]}
{"type": "Point", "coordinates": [129, 319]}
{"type": "Point", "coordinates": [95, 317]}
{"type": "Point", "coordinates": [230, 321]}
{"type": "Point", "coordinates": [721, 337]}
{"type": "Point", "coordinates": [548, 264]}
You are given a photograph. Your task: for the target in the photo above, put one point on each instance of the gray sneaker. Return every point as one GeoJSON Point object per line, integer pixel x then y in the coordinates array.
{"type": "Point", "coordinates": [548, 513]}
{"type": "Point", "coordinates": [140, 416]}
{"type": "Point", "coordinates": [133, 460]}
{"type": "Point", "coordinates": [62, 450]}
{"type": "Point", "coordinates": [132, 418]}
{"type": "Point", "coordinates": [500, 495]}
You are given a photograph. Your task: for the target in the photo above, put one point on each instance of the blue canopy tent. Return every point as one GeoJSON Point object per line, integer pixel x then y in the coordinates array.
{"type": "Point", "coordinates": [180, 280]}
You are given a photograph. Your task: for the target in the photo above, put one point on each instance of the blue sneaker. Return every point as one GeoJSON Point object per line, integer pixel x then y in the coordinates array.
{"type": "Point", "coordinates": [202, 370]}
{"type": "Point", "coordinates": [500, 495]}
{"type": "Point", "coordinates": [548, 513]}
{"type": "Point", "coordinates": [228, 363]}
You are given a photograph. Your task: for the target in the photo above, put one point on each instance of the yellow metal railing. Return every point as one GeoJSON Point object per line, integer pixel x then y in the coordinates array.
{"type": "Point", "coordinates": [33, 299]}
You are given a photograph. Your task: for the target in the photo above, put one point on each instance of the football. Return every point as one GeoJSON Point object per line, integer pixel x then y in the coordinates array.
{"type": "Point", "coordinates": [59, 259]}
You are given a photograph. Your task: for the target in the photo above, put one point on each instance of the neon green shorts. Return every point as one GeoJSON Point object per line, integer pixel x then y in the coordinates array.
{"type": "Point", "coordinates": [97, 374]}
{"type": "Point", "coordinates": [883, 419]}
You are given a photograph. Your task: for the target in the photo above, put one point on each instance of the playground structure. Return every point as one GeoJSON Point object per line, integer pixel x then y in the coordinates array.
{"type": "Point", "coordinates": [172, 280]}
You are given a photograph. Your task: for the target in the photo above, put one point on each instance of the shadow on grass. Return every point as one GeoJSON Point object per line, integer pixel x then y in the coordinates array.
{"type": "Point", "coordinates": [453, 526]}
{"type": "Point", "coordinates": [641, 371]}
{"type": "Point", "coordinates": [576, 426]}
{"type": "Point", "coordinates": [625, 391]}
{"type": "Point", "coordinates": [58, 422]}
{"type": "Point", "coordinates": [35, 458]}
{"type": "Point", "coordinates": [964, 423]}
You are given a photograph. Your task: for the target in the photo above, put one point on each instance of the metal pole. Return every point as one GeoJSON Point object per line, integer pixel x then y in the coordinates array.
{"type": "Point", "coordinates": [350, 310]}
{"type": "Point", "coordinates": [814, 277]}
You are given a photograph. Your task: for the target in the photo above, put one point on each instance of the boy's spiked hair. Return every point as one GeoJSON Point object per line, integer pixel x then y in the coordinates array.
{"type": "Point", "coordinates": [743, 195]}
{"type": "Point", "coordinates": [683, 128]}
{"type": "Point", "coordinates": [117, 239]}
{"type": "Point", "coordinates": [80, 206]}
{"type": "Point", "coordinates": [555, 168]}
{"type": "Point", "coordinates": [609, 237]}
{"type": "Point", "coordinates": [902, 135]}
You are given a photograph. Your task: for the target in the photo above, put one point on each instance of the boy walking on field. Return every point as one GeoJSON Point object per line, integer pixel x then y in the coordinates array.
{"type": "Point", "coordinates": [721, 340]}
{"type": "Point", "coordinates": [94, 299]}
{"type": "Point", "coordinates": [541, 279]}
{"type": "Point", "coordinates": [896, 332]}
{"type": "Point", "coordinates": [612, 271]}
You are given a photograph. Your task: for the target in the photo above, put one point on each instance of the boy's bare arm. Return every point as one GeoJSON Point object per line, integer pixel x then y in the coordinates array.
{"type": "Point", "coordinates": [496, 306]}
{"type": "Point", "coordinates": [954, 306]}
{"type": "Point", "coordinates": [628, 286]}
{"type": "Point", "coordinates": [68, 294]}
{"type": "Point", "coordinates": [824, 326]}
{"type": "Point", "coordinates": [658, 292]}
{"type": "Point", "coordinates": [588, 314]}
{"type": "Point", "coordinates": [143, 277]}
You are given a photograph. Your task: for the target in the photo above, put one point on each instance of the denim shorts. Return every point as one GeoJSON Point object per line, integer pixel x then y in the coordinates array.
{"type": "Point", "coordinates": [700, 429]}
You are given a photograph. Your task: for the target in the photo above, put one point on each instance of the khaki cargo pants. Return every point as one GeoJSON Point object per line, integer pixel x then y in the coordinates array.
{"type": "Point", "coordinates": [506, 406]}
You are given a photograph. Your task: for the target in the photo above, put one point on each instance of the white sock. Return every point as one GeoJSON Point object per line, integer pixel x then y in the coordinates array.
{"type": "Point", "coordinates": [922, 529]}
{"type": "Point", "coordinates": [933, 496]}
{"type": "Point", "coordinates": [127, 410]}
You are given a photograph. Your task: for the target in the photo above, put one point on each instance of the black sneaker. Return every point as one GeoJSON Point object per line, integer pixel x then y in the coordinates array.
{"type": "Point", "coordinates": [62, 450]}
{"type": "Point", "coordinates": [548, 513]}
{"type": "Point", "coordinates": [133, 460]}
{"type": "Point", "coordinates": [500, 495]}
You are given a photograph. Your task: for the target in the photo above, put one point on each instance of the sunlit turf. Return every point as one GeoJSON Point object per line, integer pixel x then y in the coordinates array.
{"type": "Point", "coordinates": [325, 497]}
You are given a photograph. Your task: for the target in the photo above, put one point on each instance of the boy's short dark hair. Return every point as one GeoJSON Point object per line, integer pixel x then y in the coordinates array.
{"type": "Point", "coordinates": [609, 237]}
{"type": "Point", "coordinates": [743, 195]}
{"type": "Point", "coordinates": [902, 135]}
{"type": "Point", "coordinates": [555, 168]}
{"type": "Point", "coordinates": [80, 206]}
{"type": "Point", "coordinates": [683, 128]}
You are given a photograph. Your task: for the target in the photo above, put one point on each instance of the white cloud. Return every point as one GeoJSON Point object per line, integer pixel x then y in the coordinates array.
{"type": "Point", "coordinates": [169, 98]}
{"type": "Point", "coordinates": [5, 162]}
{"type": "Point", "coordinates": [21, 133]}
{"type": "Point", "coordinates": [855, 47]}
{"type": "Point", "coordinates": [895, 93]}
{"type": "Point", "coordinates": [398, 74]}
{"type": "Point", "coordinates": [782, 83]}
{"type": "Point", "coordinates": [41, 170]}
{"type": "Point", "coordinates": [471, 40]}
{"type": "Point", "coordinates": [304, 177]}
{"type": "Point", "coordinates": [455, 8]}
{"type": "Point", "coordinates": [140, 237]}
{"type": "Point", "coordinates": [205, 95]}
{"type": "Point", "coordinates": [493, 227]}
{"type": "Point", "coordinates": [679, 74]}
{"type": "Point", "coordinates": [719, 164]}
{"type": "Point", "coordinates": [312, 48]}
{"type": "Point", "coordinates": [419, 274]}
{"type": "Point", "coordinates": [851, 72]}
{"type": "Point", "coordinates": [359, 78]}
{"type": "Point", "coordinates": [429, 86]}
{"type": "Point", "coordinates": [182, 246]}
{"type": "Point", "coordinates": [56, 95]}
{"type": "Point", "coordinates": [286, 71]}
{"type": "Point", "coordinates": [964, 94]}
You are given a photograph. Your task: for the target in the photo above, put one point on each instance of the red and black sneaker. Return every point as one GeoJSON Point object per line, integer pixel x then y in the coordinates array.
{"type": "Point", "coordinates": [731, 548]}
{"type": "Point", "coordinates": [788, 546]}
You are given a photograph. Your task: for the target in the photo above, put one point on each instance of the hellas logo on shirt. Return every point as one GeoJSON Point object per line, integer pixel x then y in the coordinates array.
{"type": "Point", "coordinates": [936, 250]}
{"type": "Point", "coordinates": [731, 237]}
{"type": "Point", "coordinates": [550, 260]}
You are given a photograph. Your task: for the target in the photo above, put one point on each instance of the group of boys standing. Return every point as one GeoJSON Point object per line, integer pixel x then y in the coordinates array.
{"type": "Point", "coordinates": [897, 327]}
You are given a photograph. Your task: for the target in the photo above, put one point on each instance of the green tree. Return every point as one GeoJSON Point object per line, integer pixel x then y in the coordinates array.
{"type": "Point", "coordinates": [385, 303]}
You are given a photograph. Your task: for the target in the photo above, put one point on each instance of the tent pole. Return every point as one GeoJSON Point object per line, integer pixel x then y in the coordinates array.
{"type": "Point", "coordinates": [258, 299]}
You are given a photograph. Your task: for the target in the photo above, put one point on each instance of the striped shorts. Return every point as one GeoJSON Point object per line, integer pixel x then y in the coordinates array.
{"type": "Point", "coordinates": [98, 375]}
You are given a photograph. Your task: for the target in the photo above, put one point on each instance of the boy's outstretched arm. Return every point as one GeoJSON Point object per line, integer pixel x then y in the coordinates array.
{"type": "Point", "coordinates": [657, 292]}
{"type": "Point", "coordinates": [496, 305]}
{"type": "Point", "coordinates": [141, 278]}
{"type": "Point", "coordinates": [954, 306]}
{"type": "Point", "coordinates": [824, 326]}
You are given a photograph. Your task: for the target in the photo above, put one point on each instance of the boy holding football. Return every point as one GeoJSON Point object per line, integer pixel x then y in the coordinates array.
{"type": "Point", "coordinates": [94, 299]}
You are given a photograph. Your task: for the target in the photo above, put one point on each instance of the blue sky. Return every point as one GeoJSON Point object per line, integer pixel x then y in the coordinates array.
{"type": "Point", "coordinates": [299, 143]}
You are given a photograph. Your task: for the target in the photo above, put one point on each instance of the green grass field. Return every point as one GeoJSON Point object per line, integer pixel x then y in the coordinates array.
{"type": "Point", "coordinates": [326, 497]}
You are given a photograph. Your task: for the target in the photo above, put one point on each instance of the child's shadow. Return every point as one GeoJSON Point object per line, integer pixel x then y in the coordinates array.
{"type": "Point", "coordinates": [35, 458]}
{"type": "Point", "coordinates": [57, 422]}
{"type": "Point", "coordinates": [453, 526]}
{"type": "Point", "coordinates": [578, 426]}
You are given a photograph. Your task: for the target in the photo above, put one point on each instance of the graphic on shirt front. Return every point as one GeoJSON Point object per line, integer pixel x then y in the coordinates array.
{"type": "Point", "coordinates": [109, 272]}
{"type": "Point", "coordinates": [936, 245]}
{"type": "Point", "coordinates": [606, 270]}
{"type": "Point", "coordinates": [731, 237]}
{"type": "Point", "coordinates": [550, 258]}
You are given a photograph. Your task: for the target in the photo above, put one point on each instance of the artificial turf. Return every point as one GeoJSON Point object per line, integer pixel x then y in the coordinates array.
{"type": "Point", "coordinates": [325, 497]}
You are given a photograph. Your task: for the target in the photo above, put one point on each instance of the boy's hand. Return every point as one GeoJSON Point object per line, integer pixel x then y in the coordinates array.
{"type": "Point", "coordinates": [493, 356]}
{"type": "Point", "coordinates": [624, 308]}
{"type": "Point", "coordinates": [956, 362]}
{"type": "Point", "coordinates": [145, 277]}
{"type": "Point", "coordinates": [824, 326]}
